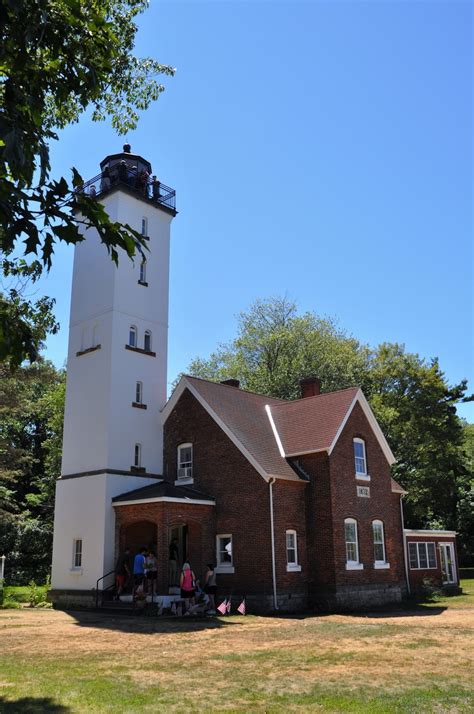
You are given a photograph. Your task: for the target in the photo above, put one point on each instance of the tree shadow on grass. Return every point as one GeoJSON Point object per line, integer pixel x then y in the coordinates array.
{"type": "Point", "coordinates": [32, 705]}
{"type": "Point", "coordinates": [144, 624]}
{"type": "Point", "coordinates": [409, 610]}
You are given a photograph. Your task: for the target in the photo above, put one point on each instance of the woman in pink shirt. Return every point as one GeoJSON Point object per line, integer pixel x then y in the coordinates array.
{"type": "Point", "coordinates": [188, 585]}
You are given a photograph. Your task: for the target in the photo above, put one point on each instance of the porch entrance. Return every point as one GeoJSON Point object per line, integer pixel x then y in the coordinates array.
{"type": "Point", "coordinates": [448, 569]}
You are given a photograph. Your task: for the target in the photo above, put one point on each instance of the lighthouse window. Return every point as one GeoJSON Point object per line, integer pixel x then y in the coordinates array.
{"type": "Point", "coordinates": [143, 271]}
{"type": "Point", "coordinates": [77, 553]}
{"type": "Point", "coordinates": [132, 336]}
{"type": "Point", "coordinates": [147, 343]}
{"type": "Point", "coordinates": [139, 393]}
{"type": "Point", "coordinates": [144, 226]}
{"type": "Point", "coordinates": [138, 455]}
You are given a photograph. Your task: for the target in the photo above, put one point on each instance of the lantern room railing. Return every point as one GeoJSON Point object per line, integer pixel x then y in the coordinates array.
{"type": "Point", "coordinates": [139, 183]}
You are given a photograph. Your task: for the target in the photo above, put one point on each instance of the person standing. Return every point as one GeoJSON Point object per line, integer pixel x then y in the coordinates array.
{"type": "Point", "coordinates": [151, 568]}
{"type": "Point", "coordinates": [139, 571]}
{"type": "Point", "coordinates": [173, 563]}
{"type": "Point", "coordinates": [188, 585]}
{"type": "Point", "coordinates": [210, 587]}
{"type": "Point", "coordinates": [122, 572]}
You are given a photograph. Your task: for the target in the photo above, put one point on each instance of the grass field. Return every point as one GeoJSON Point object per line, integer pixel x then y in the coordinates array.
{"type": "Point", "coordinates": [419, 660]}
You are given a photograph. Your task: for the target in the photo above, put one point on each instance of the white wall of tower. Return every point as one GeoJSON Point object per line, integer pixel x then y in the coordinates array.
{"type": "Point", "coordinates": [101, 427]}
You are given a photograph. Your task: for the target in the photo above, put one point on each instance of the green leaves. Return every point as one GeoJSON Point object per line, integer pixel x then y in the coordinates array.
{"type": "Point", "coordinates": [56, 60]}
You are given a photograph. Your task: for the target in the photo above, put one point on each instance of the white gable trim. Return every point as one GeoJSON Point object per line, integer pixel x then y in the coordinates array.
{"type": "Point", "coordinates": [275, 431]}
{"type": "Point", "coordinates": [167, 499]}
{"type": "Point", "coordinates": [168, 408]}
{"type": "Point", "coordinates": [359, 397]}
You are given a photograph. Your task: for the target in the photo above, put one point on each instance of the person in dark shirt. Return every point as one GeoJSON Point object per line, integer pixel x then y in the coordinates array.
{"type": "Point", "coordinates": [173, 562]}
{"type": "Point", "coordinates": [122, 571]}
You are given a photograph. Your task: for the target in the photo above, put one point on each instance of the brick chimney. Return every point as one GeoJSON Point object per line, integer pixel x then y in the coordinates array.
{"type": "Point", "coordinates": [310, 387]}
{"type": "Point", "coordinates": [231, 383]}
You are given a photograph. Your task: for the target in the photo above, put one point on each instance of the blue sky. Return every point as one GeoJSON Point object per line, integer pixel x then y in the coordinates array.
{"type": "Point", "coordinates": [321, 150]}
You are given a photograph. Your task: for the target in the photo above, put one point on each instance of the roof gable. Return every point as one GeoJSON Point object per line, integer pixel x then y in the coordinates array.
{"type": "Point", "coordinates": [270, 431]}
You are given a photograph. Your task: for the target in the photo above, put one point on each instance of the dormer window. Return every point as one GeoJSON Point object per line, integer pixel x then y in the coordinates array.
{"type": "Point", "coordinates": [185, 463]}
{"type": "Point", "coordinates": [360, 460]}
{"type": "Point", "coordinates": [132, 336]}
{"type": "Point", "coordinates": [147, 341]}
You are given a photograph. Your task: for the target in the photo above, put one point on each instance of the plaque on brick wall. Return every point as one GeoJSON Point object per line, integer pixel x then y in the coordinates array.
{"type": "Point", "coordinates": [363, 491]}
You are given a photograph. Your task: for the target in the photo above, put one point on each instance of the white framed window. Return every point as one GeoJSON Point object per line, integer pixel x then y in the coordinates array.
{"type": "Point", "coordinates": [132, 336]}
{"type": "Point", "coordinates": [139, 393]}
{"type": "Point", "coordinates": [224, 555]}
{"type": "Point", "coordinates": [147, 341]}
{"type": "Point", "coordinates": [422, 556]}
{"type": "Point", "coordinates": [185, 463]}
{"type": "Point", "coordinates": [360, 461]}
{"type": "Point", "coordinates": [379, 545]}
{"type": "Point", "coordinates": [143, 271]}
{"type": "Point", "coordinates": [292, 564]}
{"type": "Point", "coordinates": [144, 226]}
{"type": "Point", "coordinates": [137, 456]}
{"type": "Point", "coordinates": [77, 553]}
{"type": "Point", "coordinates": [352, 545]}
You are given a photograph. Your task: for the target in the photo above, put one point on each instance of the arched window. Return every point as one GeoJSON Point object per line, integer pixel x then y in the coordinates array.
{"type": "Point", "coordinates": [137, 459]}
{"type": "Point", "coordinates": [352, 545]}
{"type": "Point", "coordinates": [147, 342]}
{"type": "Point", "coordinates": [292, 552]}
{"type": "Point", "coordinates": [185, 461]}
{"type": "Point", "coordinates": [132, 336]}
{"type": "Point", "coordinates": [143, 271]}
{"type": "Point", "coordinates": [379, 545]}
{"type": "Point", "coordinates": [139, 393]}
{"type": "Point", "coordinates": [360, 460]}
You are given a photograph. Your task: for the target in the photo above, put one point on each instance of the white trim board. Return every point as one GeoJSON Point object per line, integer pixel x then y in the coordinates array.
{"type": "Point", "coordinates": [166, 499]}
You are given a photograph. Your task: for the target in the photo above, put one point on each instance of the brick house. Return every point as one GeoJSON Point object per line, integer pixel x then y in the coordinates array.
{"type": "Point", "coordinates": [293, 500]}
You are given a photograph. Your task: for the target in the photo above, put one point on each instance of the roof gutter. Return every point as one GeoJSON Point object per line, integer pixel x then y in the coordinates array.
{"type": "Point", "coordinates": [272, 536]}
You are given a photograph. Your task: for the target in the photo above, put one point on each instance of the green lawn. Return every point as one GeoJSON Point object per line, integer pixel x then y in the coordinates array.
{"type": "Point", "coordinates": [389, 662]}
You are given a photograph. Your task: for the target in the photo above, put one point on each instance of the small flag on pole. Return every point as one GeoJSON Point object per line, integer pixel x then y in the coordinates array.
{"type": "Point", "coordinates": [222, 607]}
{"type": "Point", "coordinates": [229, 605]}
{"type": "Point", "coordinates": [241, 607]}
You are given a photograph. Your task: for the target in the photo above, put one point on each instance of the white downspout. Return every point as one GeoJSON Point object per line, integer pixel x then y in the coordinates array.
{"type": "Point", "coordinates": [275, 596]}
{"type": "Point", "coordinates": [405, 556]}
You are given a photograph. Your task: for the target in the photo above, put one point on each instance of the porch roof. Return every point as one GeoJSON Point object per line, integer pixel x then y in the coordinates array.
{"type": "Point", "coordinates": [163, 490]}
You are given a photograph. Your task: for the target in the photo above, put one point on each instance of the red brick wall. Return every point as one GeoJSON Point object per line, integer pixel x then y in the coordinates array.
{"type": "Point", "coordinates": [242, 501]}
{"type": "Point", "coordinates": [201, 525]}
{"type": "Point", "coordinates": [289, 514]}
{"type": "Point", "coordinates": [382, 505]}
{"type": "Point", "coordinates": [434, 574]}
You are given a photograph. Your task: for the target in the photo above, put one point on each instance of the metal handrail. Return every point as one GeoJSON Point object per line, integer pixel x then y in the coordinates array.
{"type": "Point", "coordinates": [103, 183]}
{"type": "Point", "coordinates": [97, 591]}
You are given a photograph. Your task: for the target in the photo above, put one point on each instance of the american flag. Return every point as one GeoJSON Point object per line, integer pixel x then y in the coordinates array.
{"type": "Point", "coordinates": [222, 607]}
{"type": "Point", "coordinates": [229, 605]}
{"type": "Point", "coordinates": [241, 607]}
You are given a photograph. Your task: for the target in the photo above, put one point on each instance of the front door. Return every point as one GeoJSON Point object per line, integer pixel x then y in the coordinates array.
{"type": "Point", "coordinates": [448, 569]}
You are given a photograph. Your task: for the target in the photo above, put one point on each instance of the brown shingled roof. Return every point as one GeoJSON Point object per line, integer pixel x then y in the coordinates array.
{"type": "Point", "coordinates": [311, 424]}
{"type": "Point", "coordinates": [244, 414]}
{"type": "Point", "coordinates": [268, 431]}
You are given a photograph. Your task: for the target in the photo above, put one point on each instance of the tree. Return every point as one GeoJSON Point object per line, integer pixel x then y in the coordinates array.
{"type": "Point", "coordinates": [275, 348]}
{"type": "Point", "coordinates": [57, 59]}
{"type": "Point", "coordinates": [31, 414]}
{"type": "Point", "coordinates": [416, 407]}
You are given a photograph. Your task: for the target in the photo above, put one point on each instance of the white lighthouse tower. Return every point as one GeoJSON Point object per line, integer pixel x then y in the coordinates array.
{"type": "Point", "coordinates": [116, 373]}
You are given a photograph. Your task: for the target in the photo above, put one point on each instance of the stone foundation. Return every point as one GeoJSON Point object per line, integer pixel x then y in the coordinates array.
{"type": "Point", "coordinates": [356, 597]}
{"type": "Point", "coordinates": [70, 599]}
